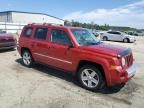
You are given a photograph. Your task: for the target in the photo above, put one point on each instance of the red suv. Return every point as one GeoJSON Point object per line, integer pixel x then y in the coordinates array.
{"type": "Point", "coordinates": [76, 50]}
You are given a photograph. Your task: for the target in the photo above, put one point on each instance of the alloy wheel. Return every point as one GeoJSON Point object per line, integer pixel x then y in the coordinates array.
{"type": "Point", "coordinates": [90, 78]}
{"type": "Point", "coordinates": [125, 40]}
{"type": "Point", "coordinates": [105, 38]}
{"type": "Point", "coordinates": [27, 58]}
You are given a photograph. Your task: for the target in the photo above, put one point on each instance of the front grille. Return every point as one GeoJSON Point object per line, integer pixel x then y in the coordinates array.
{"type": "Point", "coordinates": [8, 45]}
{"type": "Point", "coordinates": [129, 60]}
{"type": "Point", "coordinates": [7, 40]}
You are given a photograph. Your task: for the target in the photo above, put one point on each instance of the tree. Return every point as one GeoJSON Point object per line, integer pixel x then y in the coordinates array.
{"type": "Point", "coordinates": [94, 26]}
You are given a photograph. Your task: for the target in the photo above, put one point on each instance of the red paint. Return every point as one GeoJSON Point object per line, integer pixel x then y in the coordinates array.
{"type": "Point", "coordinates": [52, 54]}
{"type": "Point", "coordinates": [7, 41]}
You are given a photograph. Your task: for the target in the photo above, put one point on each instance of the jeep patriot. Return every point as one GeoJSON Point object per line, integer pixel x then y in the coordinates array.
{"type": "Point", "coordinates": [76, 50]}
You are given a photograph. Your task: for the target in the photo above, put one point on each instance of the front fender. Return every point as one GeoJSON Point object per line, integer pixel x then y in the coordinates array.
{"type": "Point", "coordinates": [101, 61]}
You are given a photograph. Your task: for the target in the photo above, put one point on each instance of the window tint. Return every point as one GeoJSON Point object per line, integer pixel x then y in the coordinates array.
{"type": "Point", "coordinates": [110, 32]}
{"type": "Point", "coordinates": [117, 33]}
{"type": "Point", "coordinates": [41, 33]}
{"type": "Point", "coordinates": [27, 32]}
{"type": "Point", "coordinates": [61, 37]}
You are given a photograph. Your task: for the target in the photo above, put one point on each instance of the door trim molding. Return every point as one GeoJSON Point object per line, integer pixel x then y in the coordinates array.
{"type": "Point", "coordinates": [61, 60]}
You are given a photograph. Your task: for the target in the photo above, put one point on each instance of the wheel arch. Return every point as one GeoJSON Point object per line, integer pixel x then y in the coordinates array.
{"type": "Point", "coordinates": [86, 62]}
{"type": "Point", "coordinates": [23, 49]}
{"type": "Point", "coordinates": [127, 39]}
{"type": "Point", "coordinates": [105, 37]}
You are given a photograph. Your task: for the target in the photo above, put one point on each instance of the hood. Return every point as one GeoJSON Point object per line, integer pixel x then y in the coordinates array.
{"type": "Point", "coordinates": [104, 48]}
{"type": "Point", "coordinates": [3, 36]}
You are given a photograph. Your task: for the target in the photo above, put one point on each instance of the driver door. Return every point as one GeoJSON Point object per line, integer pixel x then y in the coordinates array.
{"type": "Point", "coordinates": [60, 52]}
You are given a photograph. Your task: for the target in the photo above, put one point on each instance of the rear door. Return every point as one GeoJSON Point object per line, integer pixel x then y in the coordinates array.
{"type": "Point", "coordinates": [40, 44]}
{"type": "Point", "coordinates": [110, 35]}
{"type": "Point", "coordinates": [118, 36]}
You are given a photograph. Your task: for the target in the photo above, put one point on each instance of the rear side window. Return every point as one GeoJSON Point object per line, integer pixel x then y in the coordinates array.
{"type": "Point", "coordinates": [117, 33]}
{"type": "Point", "coordinates": [27, 32]}
{"type": "Point", "coordinates": [41, 33]}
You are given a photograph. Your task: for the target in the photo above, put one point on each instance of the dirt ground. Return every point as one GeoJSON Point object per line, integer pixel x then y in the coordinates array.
{"type": "Point", "coordinates": [44, 87]}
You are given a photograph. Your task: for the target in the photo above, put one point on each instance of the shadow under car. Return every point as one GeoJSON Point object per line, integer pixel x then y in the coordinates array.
{"type": "Point", "coordinates": [69, 77]}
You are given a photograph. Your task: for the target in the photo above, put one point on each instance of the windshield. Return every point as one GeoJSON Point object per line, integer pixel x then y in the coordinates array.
{"type": "Point", "coordinates": [85, 37]}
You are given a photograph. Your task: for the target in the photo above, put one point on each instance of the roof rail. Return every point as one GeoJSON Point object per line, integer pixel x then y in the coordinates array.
{"type": "Point", "coordinates": [50, 24]}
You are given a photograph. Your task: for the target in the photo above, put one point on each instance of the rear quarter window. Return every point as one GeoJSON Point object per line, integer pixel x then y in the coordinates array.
{"type": "Point", "coordinates": [27, 32]}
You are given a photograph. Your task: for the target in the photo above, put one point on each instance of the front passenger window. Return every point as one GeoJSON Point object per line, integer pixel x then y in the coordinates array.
{"type": "Point", "coordinates": [118, 33]}
{"type": "Point", "coordinates": [110, 32]}
{"type": "Point", "coordinates": [60, 37]}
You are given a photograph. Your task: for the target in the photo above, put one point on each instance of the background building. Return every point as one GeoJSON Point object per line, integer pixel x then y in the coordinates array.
{"type": "Point", "coordinates": [13, 21]}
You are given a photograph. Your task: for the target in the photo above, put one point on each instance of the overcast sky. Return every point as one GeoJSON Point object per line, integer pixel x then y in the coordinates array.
{"type": "Point", "coordinates": [113, 12]}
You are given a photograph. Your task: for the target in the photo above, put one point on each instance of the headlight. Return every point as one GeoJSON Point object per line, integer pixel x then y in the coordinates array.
{"type": "Point", "coordinates": [123, 61]}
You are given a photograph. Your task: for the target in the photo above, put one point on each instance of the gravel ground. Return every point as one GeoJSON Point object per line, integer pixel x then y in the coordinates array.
{"type": "Point", "coordinates": [44, 87]}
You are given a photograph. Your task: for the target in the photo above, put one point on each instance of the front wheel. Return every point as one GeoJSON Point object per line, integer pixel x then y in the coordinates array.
{"type": "Point", "coordinates": [126, 40]}
{"type": "Point", "coordinates": [27, 58]}
{"type": "Point", "coordinates": [90, 78]}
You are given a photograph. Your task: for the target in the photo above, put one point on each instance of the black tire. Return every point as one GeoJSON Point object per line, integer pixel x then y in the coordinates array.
{"type": "Point", "coordinates": [25, 62]}
{"type": "Point", "coordinates": [97, 77]}
{"type": "Point", "coordinates": [105, 38]}
{"type": "Point", "coordinates": [126, 40]}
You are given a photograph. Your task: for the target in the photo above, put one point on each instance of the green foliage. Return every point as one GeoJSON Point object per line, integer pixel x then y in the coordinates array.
{"type": "Point", "coordinates": [94, 26]}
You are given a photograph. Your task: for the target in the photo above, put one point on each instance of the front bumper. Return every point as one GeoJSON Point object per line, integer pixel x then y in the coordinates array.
{"type": "Point", "coordinates": [7, 46]}
{"type": "Point", "coordinates": [132, 39]}
{"type": "Point", "coordinates": [132, 70]}
{"type": "Point", "coordinates": [119, 76]}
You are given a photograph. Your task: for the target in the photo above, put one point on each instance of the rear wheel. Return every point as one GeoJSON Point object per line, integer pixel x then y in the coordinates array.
{"type": "Point", "coordinates": [27, 58]}
{"type": "Point", "coordinates": [90, 78]}
{"type": "Point", "coordinates": [105, 38]}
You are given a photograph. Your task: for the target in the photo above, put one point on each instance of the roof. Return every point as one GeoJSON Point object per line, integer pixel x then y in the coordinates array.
{"type": "Point", "coordinates": [54, 25]}
{"type": "Point", "coordinates": [31, 13]}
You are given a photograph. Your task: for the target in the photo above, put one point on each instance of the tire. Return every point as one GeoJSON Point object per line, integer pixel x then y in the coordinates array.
{"type": "Point", "coordinates": [27, 58]}
{"type": "Point", "coordinates": [126, 40]}
{"type": "Point", "coordinates": [105, 38]}
{"type": "Point", "coordinates": [90, 78]}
